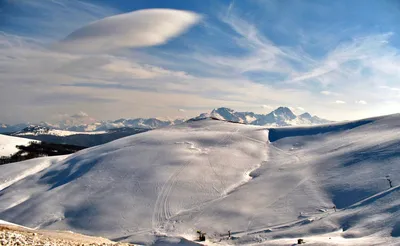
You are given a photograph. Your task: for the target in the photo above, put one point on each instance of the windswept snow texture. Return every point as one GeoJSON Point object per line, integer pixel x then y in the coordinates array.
{"type": "Point", "coordinates": [12, 173]}
{"type": "Point", "coordinates": [163, 185]}
{"type": "Point", "coordinates": [8, 144]}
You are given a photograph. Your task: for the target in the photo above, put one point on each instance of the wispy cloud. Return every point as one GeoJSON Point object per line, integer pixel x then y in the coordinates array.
{"type": "Point", "coordinates": [326, 93]}
{"type": "Point", "coordinates": [389, 88]}
{"type": "Point", "coordinates": [79, 115]}
{"type": "Point", "coordinates": [266, 106]}
{"type": "Point", "coordinates": [258, 52]}
{"type": "Point", "coordinates": [77, 118]}
{"type": "Point", "coordinates": [340, 102]}
{"type": "Point", "coordinates": [50, 20]}
{"type": "Point", "coordinates": [348, 58]}
{"type": "Point", "coordinates": [121, 66]}
{"type": "Point", "coordinates": [362, 102]}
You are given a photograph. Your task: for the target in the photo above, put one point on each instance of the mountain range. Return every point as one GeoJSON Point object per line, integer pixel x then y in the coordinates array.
{"type": "Point", "coordinates": [281, 116]}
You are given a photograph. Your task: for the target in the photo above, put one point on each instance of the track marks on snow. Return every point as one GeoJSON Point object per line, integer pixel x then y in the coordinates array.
{"type": "Point", "coordinates": [162, 214]}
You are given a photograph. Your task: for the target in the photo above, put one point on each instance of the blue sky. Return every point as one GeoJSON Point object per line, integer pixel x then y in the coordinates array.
{"type": "Point", "coordinates": [111, 59]}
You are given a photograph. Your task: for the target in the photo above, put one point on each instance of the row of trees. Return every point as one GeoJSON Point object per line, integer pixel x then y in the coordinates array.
{"type": "Point", "coordinates": [39, 149]}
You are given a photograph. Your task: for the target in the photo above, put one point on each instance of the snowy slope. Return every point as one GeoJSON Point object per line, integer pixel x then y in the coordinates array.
{"type": "Point", "coordinates": [8, 143]}
{"type": "Point", "coordinates": [2, 222]}
{"type": "Point", "coordinates": [217, 176]}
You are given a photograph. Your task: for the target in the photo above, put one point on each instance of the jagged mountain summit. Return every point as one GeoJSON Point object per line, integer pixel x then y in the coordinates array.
{"type": "Point", "coordinates": [281, 116]}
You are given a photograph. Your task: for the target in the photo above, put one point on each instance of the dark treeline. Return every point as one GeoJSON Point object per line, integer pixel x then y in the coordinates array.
{"type": "Point", "coordinates": [39, 149]}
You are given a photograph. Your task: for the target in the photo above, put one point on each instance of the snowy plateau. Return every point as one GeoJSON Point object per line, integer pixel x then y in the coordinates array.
{"type": "Point", "coordinates": [327, 184]}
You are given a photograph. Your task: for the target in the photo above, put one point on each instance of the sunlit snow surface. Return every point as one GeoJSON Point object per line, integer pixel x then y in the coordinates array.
{"type": "Point", "coordinates": [162, 186]}
{"type": "Point", "coordinates": [8, 144]}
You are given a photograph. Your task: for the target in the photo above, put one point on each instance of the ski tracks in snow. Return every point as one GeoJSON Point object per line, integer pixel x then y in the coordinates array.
{"type": "Point", "coordinates": [285, 225]}
{"type": "Point", "coordinates": [162, 212]}
{"type": "Point", "coordinates": [311, 217]}
{"type": "Point", "coordinates": [286, 193]}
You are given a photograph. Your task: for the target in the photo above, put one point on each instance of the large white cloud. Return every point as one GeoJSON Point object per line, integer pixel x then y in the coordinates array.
{"type": "Point", "coordinates": [142, 28]}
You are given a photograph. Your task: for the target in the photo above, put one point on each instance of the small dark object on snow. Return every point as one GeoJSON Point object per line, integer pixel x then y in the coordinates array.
{"type": "Point", "coordinates": [300, 241]}
{"type": "Point", "coordinates": [334, 207]}
{"type": "Point", "coordinates": [229, 234]}
{"type": "Point", "coordinates": [202, 236]}
{"type": "Point", "coordinates": [390, 181]}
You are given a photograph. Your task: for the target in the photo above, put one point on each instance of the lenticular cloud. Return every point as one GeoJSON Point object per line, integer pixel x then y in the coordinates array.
{"type": "Point", "coordinates": [141, 28]}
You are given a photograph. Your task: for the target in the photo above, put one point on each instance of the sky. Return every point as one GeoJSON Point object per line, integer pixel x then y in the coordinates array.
{"type": "Point", "coordinates": [115, 59]}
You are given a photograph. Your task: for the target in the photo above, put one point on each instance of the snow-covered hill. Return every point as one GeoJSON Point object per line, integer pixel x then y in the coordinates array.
{"type": "Point", "coordinates": [216, 176]}
{"type": "Point", "coordinates": [8, 144]}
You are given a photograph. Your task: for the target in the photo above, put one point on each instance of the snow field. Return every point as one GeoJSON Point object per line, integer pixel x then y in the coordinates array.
{"type": "Point", "coordinates": [161, 186]}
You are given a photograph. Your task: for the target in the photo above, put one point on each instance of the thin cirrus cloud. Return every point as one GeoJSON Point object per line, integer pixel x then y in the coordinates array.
{"type": "Point", "coordinates": [326, 93]}
{"type": "Point", "coordinates": [330, 93]}
{"type": "Point", "coordinates": [142, 28]}
{"type": "Point", "coordinates": [362, 102]}
{"type": "Point", "coordinates": [266, 106]}
{"type": "Point", "coordinates": [389, 88]}
{"type": "Point", "coordinates": [340, 102]}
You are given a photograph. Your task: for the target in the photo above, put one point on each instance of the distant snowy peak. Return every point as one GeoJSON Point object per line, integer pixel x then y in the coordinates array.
{"type": "Point", "coordinates": [147, 123]}
{"type": "Point", "coordinates": [284, 113]}
{"type": "Point", "coordinates": [281, 116]}
{"type": "Point", "coordinates": [305, 116]}
{"type": "Point", "coordinates": [34, 130]}
{"type": "Point", "coordinates": [227, 114]}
